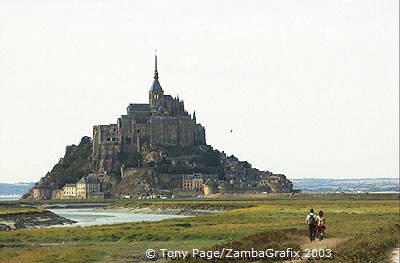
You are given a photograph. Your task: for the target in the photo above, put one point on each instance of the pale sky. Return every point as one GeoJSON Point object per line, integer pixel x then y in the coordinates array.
{"type": "Point", "coordinates": [309, 88]}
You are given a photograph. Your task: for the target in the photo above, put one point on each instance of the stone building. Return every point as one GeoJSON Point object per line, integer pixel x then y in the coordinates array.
{"type": "Point", "coordinates": [161, 122]}
{"type": "Point", "coordinates": [86, 187]}
{"type": "Point", "coordinates": [69, 191]}
{"type": "Point", "coordinates": [192, 182]}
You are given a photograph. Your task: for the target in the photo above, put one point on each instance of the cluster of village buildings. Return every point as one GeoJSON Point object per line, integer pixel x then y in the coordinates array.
{"type": "Point", "coordinates": [88, 187]}
{"type": "Point", "coordinates": [197, 185]}
{"type": "Point", "coordinates": [239, 178]}
{"type": "Point", "coordinates": [92, 186]}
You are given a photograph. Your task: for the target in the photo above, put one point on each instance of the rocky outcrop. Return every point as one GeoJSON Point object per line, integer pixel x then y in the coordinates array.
{"type": "Point", "coordinates": [152, 155]}
{"type": "Point", "coordinates": [145, 181]}
{"type": "Point", "coordinates": [138, 181]}
{"type": "Point", "coordinates": [278, 183]}
{"type": "Point", "coordinates": [28, 220]}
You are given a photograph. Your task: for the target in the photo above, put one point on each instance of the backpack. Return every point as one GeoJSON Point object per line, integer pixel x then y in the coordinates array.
{"type": "Point", "coordinates": [311, 220]}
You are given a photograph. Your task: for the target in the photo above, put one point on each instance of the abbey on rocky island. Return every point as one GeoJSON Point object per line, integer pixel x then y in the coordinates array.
{"type": "Point", "coordinates": [156, 149]}
{"type": "Point", "coordinates": [163, 121]}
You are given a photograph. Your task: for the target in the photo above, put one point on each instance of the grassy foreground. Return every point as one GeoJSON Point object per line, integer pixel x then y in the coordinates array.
{"type": "Point", "coordinates": [364, 230]}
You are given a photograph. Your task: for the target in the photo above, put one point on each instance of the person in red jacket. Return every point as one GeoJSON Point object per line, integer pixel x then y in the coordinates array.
{"type": "Point", "coordinates": [321, 225]}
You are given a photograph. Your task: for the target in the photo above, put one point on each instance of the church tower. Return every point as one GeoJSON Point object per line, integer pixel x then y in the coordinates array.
{"type": "Point", "coordinates": [156, 94]}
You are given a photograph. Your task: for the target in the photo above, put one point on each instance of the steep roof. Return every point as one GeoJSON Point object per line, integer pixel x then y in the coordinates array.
{"type": "Point", "coordinates": [156, 86]}
{"type": "Point", "coordinates": [139, 106]}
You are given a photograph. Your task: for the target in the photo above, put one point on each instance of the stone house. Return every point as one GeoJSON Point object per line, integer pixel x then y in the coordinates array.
{"type": "Point", "coordinates": [87, 186]}
{"type": "Point", "coordinates": [69, 191]}
{"type": "Point", "coordinates": [192, 182]}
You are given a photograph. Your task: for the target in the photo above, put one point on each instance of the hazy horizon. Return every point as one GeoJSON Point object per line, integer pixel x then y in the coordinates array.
{"type": "Point", "coordinates": [310, 88]}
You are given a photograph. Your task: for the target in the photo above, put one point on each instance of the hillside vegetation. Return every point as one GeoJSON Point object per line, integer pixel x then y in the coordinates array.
{"type": "Point", "coordinates": [70, 168]}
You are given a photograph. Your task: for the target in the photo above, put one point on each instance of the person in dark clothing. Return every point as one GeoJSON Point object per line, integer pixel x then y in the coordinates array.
{"type": "Point", "coordinates": [311, 224]}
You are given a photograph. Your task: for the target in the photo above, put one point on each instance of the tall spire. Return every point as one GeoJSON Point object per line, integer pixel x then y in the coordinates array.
{"type": "Point", "coordinates": [156, 87]}
{"type": "Point", "coordinates": [155, 66]}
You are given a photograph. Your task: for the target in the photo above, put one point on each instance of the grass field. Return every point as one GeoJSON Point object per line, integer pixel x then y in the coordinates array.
{"type": "Point", "coordinates": [359, 229]}
{"type": "Point", "coordinates": [4, 211]}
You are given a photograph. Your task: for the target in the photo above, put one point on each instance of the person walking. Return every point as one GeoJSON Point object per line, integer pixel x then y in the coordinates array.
{"type": "Point", "coordinates": [311, 223]}
{"type": "Point", "coordinates": [321, 225]}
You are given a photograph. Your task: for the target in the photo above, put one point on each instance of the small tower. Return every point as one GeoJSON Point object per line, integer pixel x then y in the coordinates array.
{"type": "Point", "coordinates": [156, 94]}
{"type": "Point", "coordinates": [194, 116]}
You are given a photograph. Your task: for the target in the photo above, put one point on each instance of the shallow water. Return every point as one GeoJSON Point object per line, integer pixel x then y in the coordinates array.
{"type": "Point", "coordinates": [92, 217]}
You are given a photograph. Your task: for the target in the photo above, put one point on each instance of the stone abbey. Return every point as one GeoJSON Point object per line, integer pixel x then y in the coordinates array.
{"type": "Point", "coordinates": [156, 148]}
{"type": "Point", "coordinates": [161, 122]}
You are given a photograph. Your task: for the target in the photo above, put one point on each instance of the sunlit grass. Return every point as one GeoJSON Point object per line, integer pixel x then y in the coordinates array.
{"type": "Point", "coordinates": [345, 218]}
